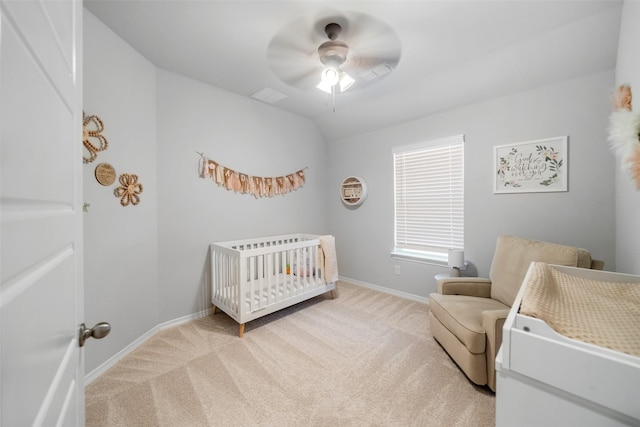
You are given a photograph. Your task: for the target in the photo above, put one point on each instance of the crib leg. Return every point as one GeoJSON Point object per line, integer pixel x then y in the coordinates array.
{"type": "Point", "coordinates": [241, 332]}
{"type": "Point", "coordinates": [213, 310]}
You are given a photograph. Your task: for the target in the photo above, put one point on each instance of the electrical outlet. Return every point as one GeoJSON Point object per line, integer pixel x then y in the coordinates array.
{"type": "Point", "coordinates": [397, 270]}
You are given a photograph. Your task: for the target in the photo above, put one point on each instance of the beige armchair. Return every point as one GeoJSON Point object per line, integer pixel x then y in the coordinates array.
{"type": "Point", "coordinates": [467, 313]}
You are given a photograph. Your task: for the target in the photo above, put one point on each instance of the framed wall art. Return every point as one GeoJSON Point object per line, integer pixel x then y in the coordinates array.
{"type": "Point", "coordinates": [531, 167]}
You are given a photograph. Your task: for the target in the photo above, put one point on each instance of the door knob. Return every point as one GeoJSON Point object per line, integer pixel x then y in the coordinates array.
{"type": "Point", "coordinates": [99, 330]}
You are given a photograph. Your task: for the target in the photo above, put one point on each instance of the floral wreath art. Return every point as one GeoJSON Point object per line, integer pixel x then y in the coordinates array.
{"type": "Point", "coordinates": [129, 189]}
{"type": "Point", "coordinates": [92, 127]}
{"type": "Point", "coordinates": [549, 155]}
{"type": "Point", "coordinates": [624, 132]}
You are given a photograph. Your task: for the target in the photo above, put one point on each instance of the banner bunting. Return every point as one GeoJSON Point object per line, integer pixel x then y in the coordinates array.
{"type": "Point", "coordinates": [243, 183]}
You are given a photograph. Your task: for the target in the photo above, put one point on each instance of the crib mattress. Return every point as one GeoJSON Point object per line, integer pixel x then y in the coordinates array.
{"type": "Point", "coordinates": [263, 297]}
{"type": "Point", "coordinates": [277, 293]}
{"type": "Point", "coordinates": [603, 313]}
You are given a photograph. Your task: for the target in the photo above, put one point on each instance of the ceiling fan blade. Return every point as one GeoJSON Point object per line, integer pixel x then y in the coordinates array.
{"type": "Point", "coordinates": [360, 64]}
{"type": "Point", "coordinates": [298, 35]}
{"type": "Point", "coordinates": [292, 69]}
{"type": "Point", "coordinates": [369, 32]}
{"type": "Point", "coordinates": [386, 46]}
{"type": "Point", "coordinates": [292, 53]}
{"type": "Point", "coordinates": [302, 79]}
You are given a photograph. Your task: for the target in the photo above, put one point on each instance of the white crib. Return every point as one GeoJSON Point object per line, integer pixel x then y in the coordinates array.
{"type": "Point", "coordinates": [255, 277]}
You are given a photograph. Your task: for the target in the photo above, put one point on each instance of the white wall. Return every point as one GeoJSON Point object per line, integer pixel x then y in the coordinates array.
{"type": "Point", "coordinates": [627, 196]}
{"type": "Point", "coordinates": [121, 244]}
{"type": "Point", "coordinates": [247, 136]}
{"type": "Point", "coordinates": [584, 216]}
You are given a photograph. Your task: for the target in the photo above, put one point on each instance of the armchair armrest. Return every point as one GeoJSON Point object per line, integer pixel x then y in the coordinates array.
{"type": "Point", "coordinates": [470, 286]}
{"type": "Point", "coordinates": [492, 322]}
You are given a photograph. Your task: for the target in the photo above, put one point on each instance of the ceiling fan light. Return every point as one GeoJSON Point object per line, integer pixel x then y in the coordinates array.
{"type": "Point", "coordinates": [330, 76]}
{"type": "Point", "coordinates": [346, 81]}
{"type": "Point", "coordinates": [325, 87]}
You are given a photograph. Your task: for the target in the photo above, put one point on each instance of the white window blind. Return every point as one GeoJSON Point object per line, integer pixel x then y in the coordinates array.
{"type": "Point", "coordinates": [429, 196]}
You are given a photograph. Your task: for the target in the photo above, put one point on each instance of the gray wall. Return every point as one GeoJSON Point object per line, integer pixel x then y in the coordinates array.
{"type": "Point", "coordinates": [247, 136]}
{"type": "Point", "coordinates": [627, 196]}
{"type": "Point", "coordinates": [121, 243]}
{"type": "Point", "coordinates": [147, 264]}
{"type": "Point", "coordinates": [584, 216]}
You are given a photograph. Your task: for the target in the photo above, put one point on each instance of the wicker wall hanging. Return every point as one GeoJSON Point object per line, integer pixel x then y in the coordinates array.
{"type": "Point", "coordinates": [92, 128]}
{"type": "Point", "coordinates": [105, 174]}
{"type": "Point", "coordinates": [257, 186]}
{"type": "Point", "coordinates": [129, 189]}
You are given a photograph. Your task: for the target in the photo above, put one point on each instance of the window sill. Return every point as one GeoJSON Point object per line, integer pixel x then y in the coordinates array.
{"type": "Point", "coordinates": [432, 258]}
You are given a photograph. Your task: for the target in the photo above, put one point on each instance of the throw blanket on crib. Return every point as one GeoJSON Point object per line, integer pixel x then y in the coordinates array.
{"type": "Point", "coordinates": [328, 246]}
{"type": "Point", "coordinates": [606, 314]}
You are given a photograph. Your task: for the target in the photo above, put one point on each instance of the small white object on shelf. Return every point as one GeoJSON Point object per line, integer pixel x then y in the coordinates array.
{"type": "Point", "coordinates": [353, 191]}
{"type": "Point", "coordinates": [456, 261]}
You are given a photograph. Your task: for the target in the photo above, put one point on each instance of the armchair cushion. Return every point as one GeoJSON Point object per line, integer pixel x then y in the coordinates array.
{"type": "Point", "coordinates": [463, 316]}
{"type": "Point", "coordinates": [513, 256]}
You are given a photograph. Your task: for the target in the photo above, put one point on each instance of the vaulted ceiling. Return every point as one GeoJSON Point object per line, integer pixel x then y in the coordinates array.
{"type": "Point", "coordinates": [452, 52]}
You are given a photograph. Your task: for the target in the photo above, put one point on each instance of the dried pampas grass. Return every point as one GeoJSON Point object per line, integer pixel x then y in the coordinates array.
{"type": "Point", "coordinates": [624, 132]}
{"type": "Point", "coordinates": [624, 126]}
{"type": "Point", "coordinates": [634, 165]}
{"type": "Point", "coordinates": [622, 98]}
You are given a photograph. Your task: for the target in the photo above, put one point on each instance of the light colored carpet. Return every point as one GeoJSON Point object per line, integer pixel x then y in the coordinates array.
{"type": "Point", "coordinates": [364, 359]}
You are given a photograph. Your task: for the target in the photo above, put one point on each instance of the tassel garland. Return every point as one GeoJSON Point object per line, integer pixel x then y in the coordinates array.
{"type": "Point", "coordinates": [245, 184]}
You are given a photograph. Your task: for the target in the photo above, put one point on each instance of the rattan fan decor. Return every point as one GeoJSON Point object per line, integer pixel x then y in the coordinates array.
{"type": "Point", "coordinates": [92, 127]}
{"type": "Point", "coordinates": [129, 189]}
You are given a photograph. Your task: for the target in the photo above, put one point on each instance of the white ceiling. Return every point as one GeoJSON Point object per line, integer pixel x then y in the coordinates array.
{"type": "Point", "coordinates": [453, 52]}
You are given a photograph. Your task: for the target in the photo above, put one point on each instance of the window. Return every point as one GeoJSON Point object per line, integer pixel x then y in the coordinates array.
{"type": "Point", "coordinates": [429, 198]}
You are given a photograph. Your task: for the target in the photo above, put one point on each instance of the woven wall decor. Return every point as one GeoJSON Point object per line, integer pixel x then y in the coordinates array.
{"type": "Point", "coordinates": [92, 137]}
{"type": "Point", "coordinates": [258, 186]}
{"type": "Point", "coordinates": [129, 189]}
{"type": "Point", "coordinates": [105, 174]}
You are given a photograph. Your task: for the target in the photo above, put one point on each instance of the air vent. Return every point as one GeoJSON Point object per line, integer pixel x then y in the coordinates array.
{"type": "Point", "coordinates": [269, 96]}
{"type": "Point", "coordinates": [377, 72]}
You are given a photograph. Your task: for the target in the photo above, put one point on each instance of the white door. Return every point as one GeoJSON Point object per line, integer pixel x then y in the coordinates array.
{"type": "Point", "coordinates": [41, 298]}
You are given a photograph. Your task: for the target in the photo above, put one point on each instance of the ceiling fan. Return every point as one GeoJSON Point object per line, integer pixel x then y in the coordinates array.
{"type": "Point", "coordinates": [333, 54]}
{"type": "Point", "coordinates": [360, 51]}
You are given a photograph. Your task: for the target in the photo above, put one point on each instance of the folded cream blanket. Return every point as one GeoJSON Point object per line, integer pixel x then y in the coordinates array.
{"type": "Point", "coordinates": [328, 246]}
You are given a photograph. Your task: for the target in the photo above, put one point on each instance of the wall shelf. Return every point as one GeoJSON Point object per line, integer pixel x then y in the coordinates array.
{"type": "Point", "coordinates": [353, 191]}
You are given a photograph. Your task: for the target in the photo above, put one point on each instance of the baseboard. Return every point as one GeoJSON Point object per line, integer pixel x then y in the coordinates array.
{"type": "Point", "coordinates": [386, 290]}
{"type": "Point", "coordinates": [91, 376]}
